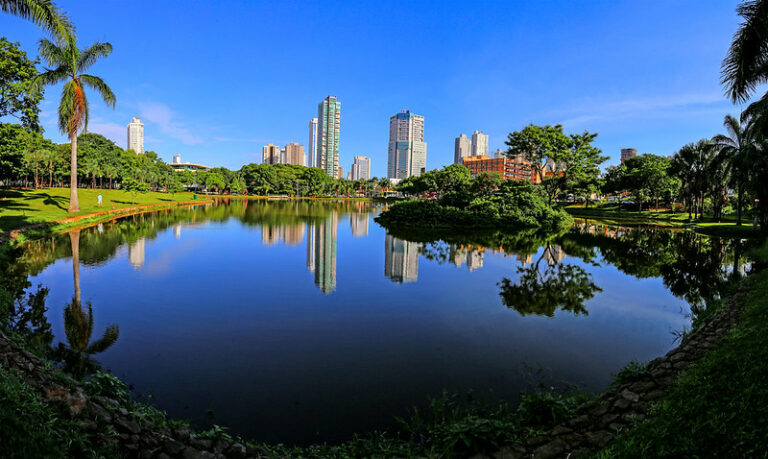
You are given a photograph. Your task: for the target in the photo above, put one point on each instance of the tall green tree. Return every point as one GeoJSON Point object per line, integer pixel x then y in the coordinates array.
{"type": "Point", "coordinates": [18, 96]}
{"type": "Point", "coordinates": [539, 145]}
{"type": "Point", "coordinates": [690, 164]}
{"type": "Point", "coordinates": [737, 150]}
{"type": "Point", "coordinates": [68, 62]}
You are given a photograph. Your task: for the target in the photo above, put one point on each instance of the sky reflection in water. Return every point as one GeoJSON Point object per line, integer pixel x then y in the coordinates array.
{"type": "Point", "coordinates": [297, 322]}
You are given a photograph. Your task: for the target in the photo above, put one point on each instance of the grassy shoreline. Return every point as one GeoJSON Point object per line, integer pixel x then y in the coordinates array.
{"type": "Point", "coordinates": [719, 407]}
{"type": "Point", "coordinates": [613, 215]}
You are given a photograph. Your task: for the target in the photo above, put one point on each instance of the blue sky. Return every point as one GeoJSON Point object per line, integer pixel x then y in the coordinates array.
{"type": "Point", "coordinates": [214, 81]}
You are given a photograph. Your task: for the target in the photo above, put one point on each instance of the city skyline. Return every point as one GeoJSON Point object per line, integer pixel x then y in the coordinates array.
{"type": "Point", "coordinates": [612, 97]}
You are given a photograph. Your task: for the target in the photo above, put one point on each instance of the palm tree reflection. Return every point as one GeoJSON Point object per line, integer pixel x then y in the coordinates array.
{"type": "Point", "coordinates": [78, 326]}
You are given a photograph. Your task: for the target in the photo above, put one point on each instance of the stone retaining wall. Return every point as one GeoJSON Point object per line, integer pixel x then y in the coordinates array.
{"type": "Point", "coordinates": [110, 423]}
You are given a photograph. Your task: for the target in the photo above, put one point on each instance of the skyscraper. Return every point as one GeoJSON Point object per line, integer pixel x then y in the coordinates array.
{"type": "Point", "coordinates": [136, 135]}
{"type": "Point", "coordinates": [479, 144]}
{"type": "Point", "coordinates": [401, 259]}
{"type": "Point", "coordinates": [462, 148]}
{"type": "Point", "coordinates": [312, 159]}
{"type": "Point", "coordinates": [328, 126]}
{"type": "Point", "coordinates": [361, 168]}
{"type": "Point", "coordinates": [294, 154]}
{"type": "Point", "coordinates": [407, 149]}
{"type": "Point", "coordinates": [627, 153]}
{"type": "Point", "coordinates": [270, 154]}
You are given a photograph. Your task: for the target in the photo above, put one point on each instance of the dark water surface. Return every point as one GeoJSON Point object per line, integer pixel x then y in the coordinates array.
{"type": "Point", "coordinates": [296, 321]}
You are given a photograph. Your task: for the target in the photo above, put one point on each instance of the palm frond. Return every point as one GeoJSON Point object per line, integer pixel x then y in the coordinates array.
{"type": "Point", "coordinates": [77, 326]}
{"type": "Point", "coordinates": [746, 65]}
{"type": "Point", "coordinates": [43, 13]}
{"type": "Point", "coordinates": [109, 338]}
{"type": "Point", "coordinates": [99, 86]}
{"type": "Point", "coordinates": [52, 54]}
{"type": "Point", "coordinates": [90, 55]}
{"type": "Point", "coordinates": [49, 77]}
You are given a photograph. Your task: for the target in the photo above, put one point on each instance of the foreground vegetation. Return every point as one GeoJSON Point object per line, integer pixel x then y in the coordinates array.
{"type": "Point", "coordinates": [719, 407]}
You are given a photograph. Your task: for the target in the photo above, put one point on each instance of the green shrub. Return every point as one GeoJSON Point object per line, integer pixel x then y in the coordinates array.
{"type": "Point", "coordinates": [631, 372]}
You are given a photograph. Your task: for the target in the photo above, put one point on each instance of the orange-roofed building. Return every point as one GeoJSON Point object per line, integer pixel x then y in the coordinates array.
{"type": "Point", "coordinates": [508, 168]}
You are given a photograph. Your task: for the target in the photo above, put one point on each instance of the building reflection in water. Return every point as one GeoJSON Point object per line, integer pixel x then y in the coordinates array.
{"type": "Point", "coordinates": [401, 259]}
{"type": "Point", "coordinates": [359, 223]}
{"type": "Point", "coordinates": [136, 253]}
{"type": "Point", "coordinates": [290, 234]}
{"type": "Point", "coordinates": [321, 252]}
{"type": "Point", "coordinates": [177, 231]}
{"type": "Point", "coordinates": [472, 256]}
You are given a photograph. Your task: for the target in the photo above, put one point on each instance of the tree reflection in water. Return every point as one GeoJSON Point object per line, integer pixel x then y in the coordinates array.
{"type": "Point", "coordinates": [542, 292]}
{"type": "Point", "coordinates": [694, 267]}
{"type": "Point", "coordinates": [78, 326]}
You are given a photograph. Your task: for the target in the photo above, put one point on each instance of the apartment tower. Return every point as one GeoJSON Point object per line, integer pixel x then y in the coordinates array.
{"type": "Point", "coordinates": [328, 124]}
{"type": "Point", "coordinates": [294, 154]}
{"type": "Point", "coordinates": [627, 153]}
{"type": "Point", "coordinates": [270, 154]}
{"type": "Point", "coordinates": [462, 148]}
{"type": "Point", "coordinates": [407, 149]}
{"type": "Point", "coordinates": [312, 159]}
{"type": "Point", "coordinates": [479, 144]}
{"type": "Point", "coordinates": [136, 135]}
{"type": "Point", "coordinates": [361, 168]}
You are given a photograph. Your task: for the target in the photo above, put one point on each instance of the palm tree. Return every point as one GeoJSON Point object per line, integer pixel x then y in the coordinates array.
{"type": "Point", "coordinates": [736, 150]}
{"type": "Point", "coordinates": [68, 63]}
{"type": "Point", "coordinates": [44, 13]}
{"type": "Point", "coordinates": [32, 159]}
{"type": "Point", "coordinates": [746, 64]}
{"type": "Point", "coordinates": [50, 161]}
{"type": "Point", "coordinates": [692, 162]}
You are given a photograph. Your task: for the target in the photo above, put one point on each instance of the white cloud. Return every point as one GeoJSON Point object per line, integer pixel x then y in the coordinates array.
{"type": "Point", "coordinates": [166, 120]}
{"type": "Point", "coordinates": [113, 131]}
{"type": "Point", "coordinates": [592, 110]}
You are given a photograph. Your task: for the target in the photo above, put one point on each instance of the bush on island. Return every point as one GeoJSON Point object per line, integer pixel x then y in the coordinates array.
{"type": "Point", "coordinates": [515, 205]}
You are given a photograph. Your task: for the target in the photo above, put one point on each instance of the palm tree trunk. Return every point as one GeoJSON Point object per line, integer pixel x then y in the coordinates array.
{"type": "Point", "coordinates": [74, 205]}
{"type": "Point", "coordinates": [74, 237]}
{"type": "Point", "coordinates": [739, 192]}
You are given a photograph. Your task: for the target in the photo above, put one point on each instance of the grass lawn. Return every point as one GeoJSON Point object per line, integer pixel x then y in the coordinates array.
{"type": "Point", "coordinates": [719, 407]}
{"type": "Point", "coordinates": [613, 214]}
{"type": "Point", "coordinates": [24, 207]}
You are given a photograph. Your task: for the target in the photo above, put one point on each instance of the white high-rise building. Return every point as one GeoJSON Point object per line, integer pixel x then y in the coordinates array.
{"type": "Point", "coordinates": [407, 149]}
{"type": "Point", "coordinates": [312, 154]}
{"type": "Point", "coordinates": [462, 148]}
{"type": "Point", "coordinates": [361, 168]}
{"type": "Point", "coordinates": [479, 144]}
{"type": "Point", "coordinates": [136, 135]}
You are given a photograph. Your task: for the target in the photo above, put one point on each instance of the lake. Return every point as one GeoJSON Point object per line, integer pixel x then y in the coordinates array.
{"type": "Point", "coordinates": [301, 321]}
